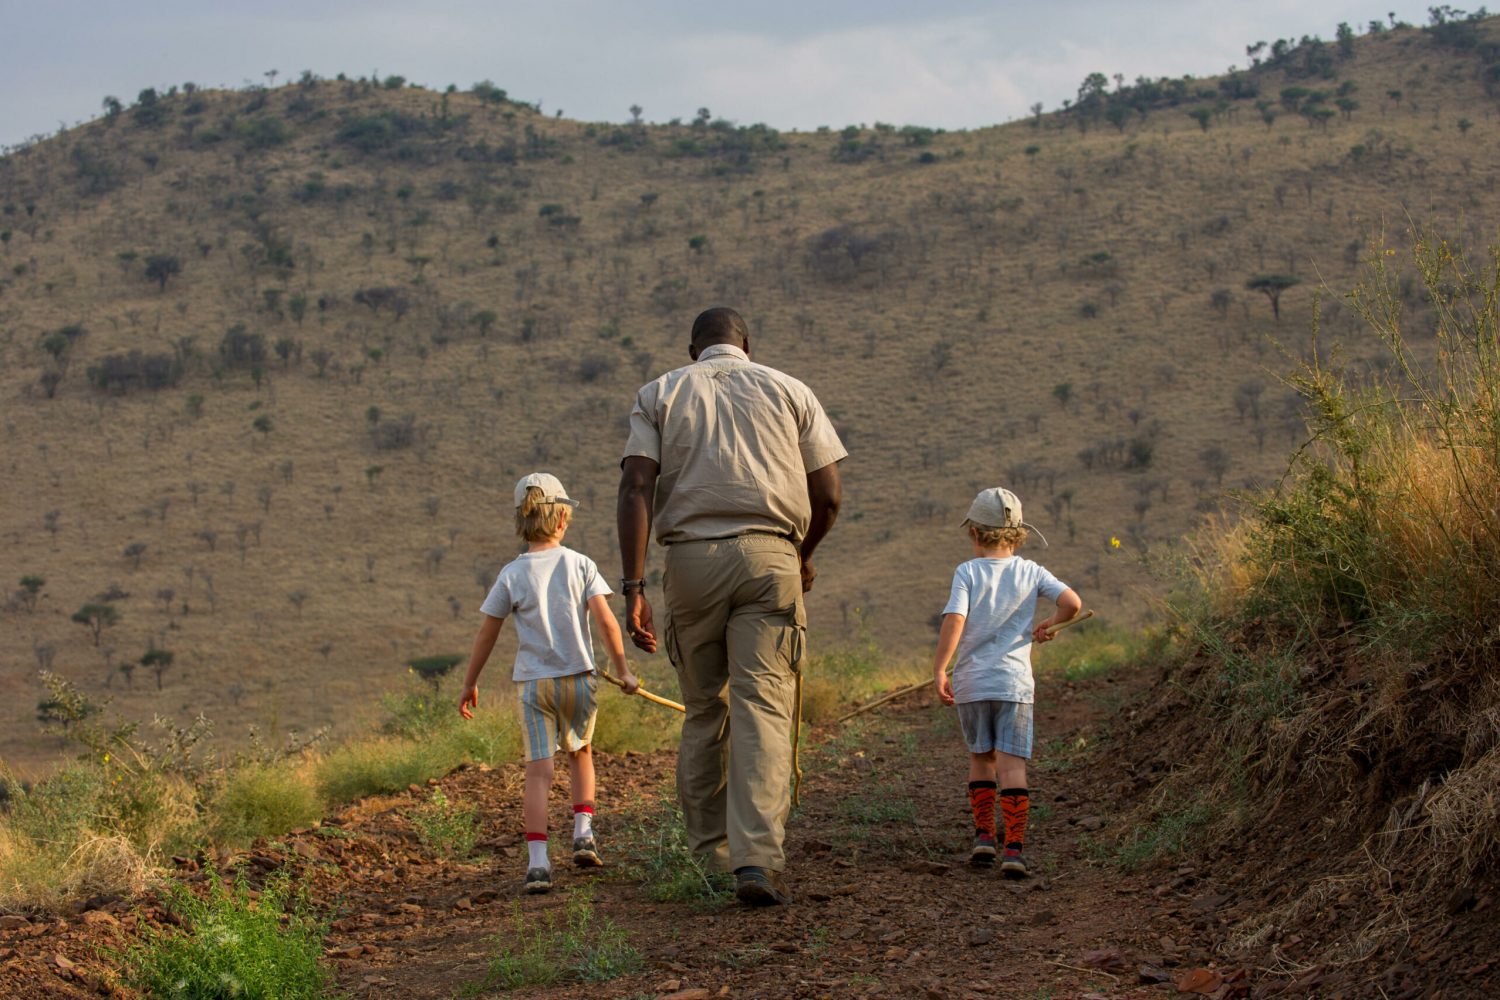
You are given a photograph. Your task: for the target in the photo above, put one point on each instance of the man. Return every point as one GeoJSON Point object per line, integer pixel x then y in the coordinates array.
{"type": "Point", "coordinates": [735, 465]}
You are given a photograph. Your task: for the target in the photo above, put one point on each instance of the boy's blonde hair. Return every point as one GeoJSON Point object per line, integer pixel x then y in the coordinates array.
{"type": "Point", "coordinates": [537, 520]}
{"type": "Point", "coordinates": [990, 537]}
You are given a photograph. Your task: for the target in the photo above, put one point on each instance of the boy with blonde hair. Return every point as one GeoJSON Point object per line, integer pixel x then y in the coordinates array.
{"type": "Point", "coordinates": [551, 591]}
{"type": "Point", "coordinates": [987, 622]}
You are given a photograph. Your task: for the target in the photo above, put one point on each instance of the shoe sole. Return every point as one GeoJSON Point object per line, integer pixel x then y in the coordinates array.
{"type": "Point", "coordinates": [587, 859]}
{"type": "Point", "coordinates": [980, 859]}
{"type": "Point", "coordinates": [537, 888]}
{"type": "Point", "coordinates": [1011, 870]}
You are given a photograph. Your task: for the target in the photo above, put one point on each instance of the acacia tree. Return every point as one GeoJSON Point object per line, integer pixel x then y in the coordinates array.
{"type": "Point", "coordinates": [97, 617]}
{"type": "Point", "coordinates": [160, 267]}
{"type": "Point", "coordinates": [433, 669]}
{"type": "Point", "coordinates": [158, 661]}
{"type": "Point", "coordinates": [1272, 285]}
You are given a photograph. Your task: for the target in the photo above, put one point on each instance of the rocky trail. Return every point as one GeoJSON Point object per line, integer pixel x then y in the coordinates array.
{"type": "Point", "coordinates": [885, 903]}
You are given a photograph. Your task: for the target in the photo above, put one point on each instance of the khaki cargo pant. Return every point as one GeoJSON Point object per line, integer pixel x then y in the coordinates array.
{"type": "Point", "coordinates": [735, 629]}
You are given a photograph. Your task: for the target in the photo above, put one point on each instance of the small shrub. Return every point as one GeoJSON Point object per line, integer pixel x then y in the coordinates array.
{"type": "Point", "coordinates": [263, 800]}
{"type": "Point", "coordinates": [233, 944]}
{"type": "Point", "coordinates": [543, 948]}
{"type": "Point", "coordinates": [445, 828]}
{"type": "Point", "coordinates": [669, 871]}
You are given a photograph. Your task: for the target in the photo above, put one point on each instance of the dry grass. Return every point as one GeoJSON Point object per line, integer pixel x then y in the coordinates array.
{"type": "Point", "coordinates": [1347, 655]}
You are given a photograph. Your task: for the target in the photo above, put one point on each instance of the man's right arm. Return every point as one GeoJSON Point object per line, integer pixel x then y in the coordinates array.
{"type": "Point", "coordinates": [633, 515]}
{"type": "Point", "coordinates": [825, 492]}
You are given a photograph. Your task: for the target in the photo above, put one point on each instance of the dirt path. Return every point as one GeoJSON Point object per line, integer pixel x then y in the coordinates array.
{"type": "Point", "coordinates": [885, 902]}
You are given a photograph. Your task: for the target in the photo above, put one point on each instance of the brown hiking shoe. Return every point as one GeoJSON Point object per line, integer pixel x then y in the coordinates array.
{"type": "Point", "coordinates": [758, 886]}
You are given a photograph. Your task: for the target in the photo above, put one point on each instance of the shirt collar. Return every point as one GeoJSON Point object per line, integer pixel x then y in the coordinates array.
{"type": "Point", "coordinates": [722, 351]}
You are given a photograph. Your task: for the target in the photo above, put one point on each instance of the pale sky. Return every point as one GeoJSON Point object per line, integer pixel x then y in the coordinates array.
{"type": "Point", "coordinates": [942, 63]}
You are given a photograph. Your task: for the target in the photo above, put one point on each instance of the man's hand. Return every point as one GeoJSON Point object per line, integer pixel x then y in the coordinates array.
{"type": "Point", "coordinates": [469, 701]}
{"type": "Point", "coordinates": [638, 624]}
{"type": "Point", "coordinates": [629, 683]}
{"type": "Point", "coordinates": [809, 574]}
{"type": "Point", "coordinates": [1040, 633]}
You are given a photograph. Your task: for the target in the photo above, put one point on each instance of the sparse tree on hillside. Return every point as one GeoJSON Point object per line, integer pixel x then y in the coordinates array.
{"type": "Point", "coordinates": [31, 589]}
{"type": "Point", "coordinates": [133, 552]}
{"type": "Point", "coordinates": [98, 617]}
{"type": "Point", "coordinates": [433, 669]}
{"type": "Point", "coordinates": [160, 267]}
{"type": "Point", "coordinates": [1215, 461]}
{"type": "Point", "coordinates": [158, 661]}
{"type": "Point", "coordinates": [1272, 285]}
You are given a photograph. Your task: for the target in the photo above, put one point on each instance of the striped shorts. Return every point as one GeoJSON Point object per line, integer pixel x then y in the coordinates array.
{"type": "Point", "coordinates": [557, 711]}
{"type": "Point", "coordinates": [996, 725]}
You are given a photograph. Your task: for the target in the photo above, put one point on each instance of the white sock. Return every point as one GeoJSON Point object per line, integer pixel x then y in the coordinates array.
{"type": "Point", "coordinates": [583, 825]}
{"type": "Point", "coordinates": [538, 851]}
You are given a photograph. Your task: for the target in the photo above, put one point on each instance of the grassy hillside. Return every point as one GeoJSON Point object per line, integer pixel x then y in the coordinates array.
{"type": "Point", "coordinates": [271, 359]}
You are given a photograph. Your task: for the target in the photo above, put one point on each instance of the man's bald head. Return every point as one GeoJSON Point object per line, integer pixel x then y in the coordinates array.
{"type": "Point", "coordinates": [720, 325]}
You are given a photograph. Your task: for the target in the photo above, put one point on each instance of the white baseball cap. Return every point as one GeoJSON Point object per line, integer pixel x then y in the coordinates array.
{"type": "Point", "coordinates": [998, 507]}
{"type": "Point", "coordinates": [550, 485]}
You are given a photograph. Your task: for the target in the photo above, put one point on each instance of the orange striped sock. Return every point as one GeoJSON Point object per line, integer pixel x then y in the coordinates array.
{"type": "Point", "coordinates": [982, 804]}
{"type": "Point", "coordinates": [1014, 804]}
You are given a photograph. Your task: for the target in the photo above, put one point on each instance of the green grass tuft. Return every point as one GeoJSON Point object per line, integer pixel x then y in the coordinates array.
{"type": "Point", "coordinates": [540, 949]}
{"type": "Point", "coordinates": [233, 945]}
{"type": "Point", "coordinates": [445, 828]}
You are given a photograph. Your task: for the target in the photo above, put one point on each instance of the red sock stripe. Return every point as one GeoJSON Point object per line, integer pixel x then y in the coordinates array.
{"type": "Point", "coordinates": [535, 836]}
{"type": "Point", "coordinates": [587, 807]}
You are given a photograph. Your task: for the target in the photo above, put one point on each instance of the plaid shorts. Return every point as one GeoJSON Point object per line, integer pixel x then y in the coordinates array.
{"type": "Point", "coordinates": [557, 711]}
{"type": "Point", "coordinates": [996, 725]}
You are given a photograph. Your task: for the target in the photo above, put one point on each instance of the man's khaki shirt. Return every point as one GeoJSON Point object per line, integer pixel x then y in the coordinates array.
{"type": "Point", "coordinates": [734, 442]}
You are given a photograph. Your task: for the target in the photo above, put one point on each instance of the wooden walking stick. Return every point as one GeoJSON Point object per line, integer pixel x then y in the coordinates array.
{"type": "Point", "coordinates": [667, 702]}
{"type": "Point", "coordinates": [919, 685]}
{"type": "Point", "coordinates": [1081, 616]}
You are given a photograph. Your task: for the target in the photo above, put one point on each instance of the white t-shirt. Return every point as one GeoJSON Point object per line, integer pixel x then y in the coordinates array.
{"type": "Point", "coordinates": [998, 599]}
{"type": "Point", "coordinates": [547, 593]}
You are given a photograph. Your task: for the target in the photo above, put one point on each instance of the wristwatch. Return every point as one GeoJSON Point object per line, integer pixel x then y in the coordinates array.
{"type": "Point", "coordinates": [626, 586]}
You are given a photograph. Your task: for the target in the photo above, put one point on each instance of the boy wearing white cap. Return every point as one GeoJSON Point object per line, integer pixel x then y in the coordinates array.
{"type": "Point", "coordinates": [551, 591]}
{"type": "Point", "coordinates": [987, 622]}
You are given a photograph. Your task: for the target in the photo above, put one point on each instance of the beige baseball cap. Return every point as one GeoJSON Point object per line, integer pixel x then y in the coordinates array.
{"type": "Point", "coordinates": [550, 485]}
{"type": "Point", "coordinates": [998, 507]}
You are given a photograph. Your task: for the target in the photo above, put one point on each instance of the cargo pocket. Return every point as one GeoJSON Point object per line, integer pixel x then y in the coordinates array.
{"type": "Point", "coordinates": [792, 642]}
{"type": "Point", "coordinates": [669, 640]}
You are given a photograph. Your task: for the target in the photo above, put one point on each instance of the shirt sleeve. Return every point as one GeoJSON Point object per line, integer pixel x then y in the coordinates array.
{"type": "Point", "coordinates": [645, 435]}
{"type": "Point", "coordinates": [958, 596]}
{"type": "Point", "coordinates": [593, 581]}
{"type": "Point", "coordinates": [1048, 585]}
{"type": "Point", "coordinates": [818, 441]}
{"type": "Point", "coordinates": [498, 603]}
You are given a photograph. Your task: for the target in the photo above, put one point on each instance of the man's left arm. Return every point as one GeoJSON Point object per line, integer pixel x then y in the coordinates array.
{"type": "Point", "coordinates": [825, 491]}
{"type": "Point", "coordinates": [633, 523]}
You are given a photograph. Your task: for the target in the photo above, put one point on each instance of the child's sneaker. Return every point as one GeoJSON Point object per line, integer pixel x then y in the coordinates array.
{"type": "Point", "coordinates": [586, 853]}
{"type": "Point", "coordinates": [538, 880]}
{"type": "Point", "coordinates": [983, 855]}
{"type": "Point", "coordinates": [1014, 864]}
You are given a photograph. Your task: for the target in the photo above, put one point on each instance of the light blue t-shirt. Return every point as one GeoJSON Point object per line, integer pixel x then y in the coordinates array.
{"type": "Point", "coordinates": [997, 597]}
{"type": "Point", "coordinates": [547, 594]}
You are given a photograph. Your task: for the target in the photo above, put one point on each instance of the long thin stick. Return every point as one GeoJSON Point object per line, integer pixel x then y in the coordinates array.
{"type": "Point", "coordinates": [890, 696]}
{"type": "Point", "coordinates": [666, 702]}
{"type": "Point", "coordinates": [918, 685]}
